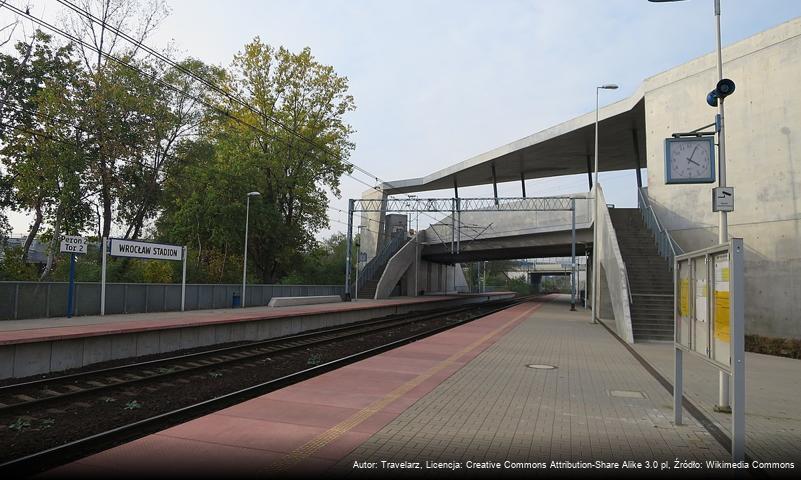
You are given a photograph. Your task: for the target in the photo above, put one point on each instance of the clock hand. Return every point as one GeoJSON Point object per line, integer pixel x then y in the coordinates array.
{"type": "Point", "coordinates": [693, 154]}
{"type": "Point", "coordinates": [690, 159]}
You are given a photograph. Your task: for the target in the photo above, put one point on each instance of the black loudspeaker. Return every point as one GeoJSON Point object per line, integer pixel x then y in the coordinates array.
{"type": "Point", "coordinates": [723, 89]}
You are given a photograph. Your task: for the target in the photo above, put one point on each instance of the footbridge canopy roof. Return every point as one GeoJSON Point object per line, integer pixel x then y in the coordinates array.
{"type": "Point", "coordinates": [564, 149]}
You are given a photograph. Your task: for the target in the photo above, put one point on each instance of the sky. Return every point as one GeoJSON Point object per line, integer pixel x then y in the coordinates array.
{"type": "Point", "coordinates": [438, 82]}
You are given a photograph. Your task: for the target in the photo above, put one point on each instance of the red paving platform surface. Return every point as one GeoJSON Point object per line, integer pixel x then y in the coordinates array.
{"type": "Point", "coordinates": [41, 330]}
{"type": "Point", "coordinates": [304, 428]}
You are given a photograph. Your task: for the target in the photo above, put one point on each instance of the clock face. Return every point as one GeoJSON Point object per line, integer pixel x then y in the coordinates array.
{"type": "Point", "coordinates": [689, 160]}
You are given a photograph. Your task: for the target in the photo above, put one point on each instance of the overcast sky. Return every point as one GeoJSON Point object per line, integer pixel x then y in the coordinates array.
{"type": "Point", "coordinates": [437, 82]}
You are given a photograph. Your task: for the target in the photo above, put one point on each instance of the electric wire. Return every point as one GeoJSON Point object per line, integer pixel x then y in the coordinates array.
{"type": "Point", "coordinates": [226, 113]}
{"type": "Point", "coordinates": [235, 98]}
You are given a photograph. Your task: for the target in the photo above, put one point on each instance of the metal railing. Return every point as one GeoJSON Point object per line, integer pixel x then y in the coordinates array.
{"type": "Point", "coordinates": [665, 244]}
{"type": "Point", "coordinates": [376, 265]}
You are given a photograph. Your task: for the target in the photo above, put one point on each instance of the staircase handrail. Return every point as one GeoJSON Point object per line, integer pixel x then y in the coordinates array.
{"type": "Point", "coordinates": [382, 257]}
{"type": "Point", "coordinates": [667, 247]}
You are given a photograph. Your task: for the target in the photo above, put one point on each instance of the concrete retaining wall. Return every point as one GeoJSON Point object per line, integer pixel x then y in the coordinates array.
{"type": "Point", "coordinates": [293, 301]}
{"type": "Point", "coordinates": [763, 134]}
{"type": "Point", "coordinates": [26, 359]}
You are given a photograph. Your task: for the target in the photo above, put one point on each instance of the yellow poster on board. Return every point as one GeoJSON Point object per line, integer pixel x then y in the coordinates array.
{"type": "Point", "coordinates": [722, 316]}
{"type": "Point", "coordinates": [684, 297]}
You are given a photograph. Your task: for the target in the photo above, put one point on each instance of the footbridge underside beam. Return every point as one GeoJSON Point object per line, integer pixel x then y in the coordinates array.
{"type": "Point", "coordinates": [554, 244]}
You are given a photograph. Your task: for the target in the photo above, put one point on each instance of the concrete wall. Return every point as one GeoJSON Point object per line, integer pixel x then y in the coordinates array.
{"type": "Point", "coordinates": [433, 278]}
{"type": "Point", "coordinates": [502, 224]}
{"type": "Point", "coordinates": [397, 266]}
{"type": "Point", "coordinates": [373, 222]}
{"type": "Point", "coordinates": [436, 278]}
{"type": "Point", "coordinates": [763, 143]}
{"type": "Point", "coordinates": [614, 288]}
{"type": "Point", "coordinates": [25, 359]}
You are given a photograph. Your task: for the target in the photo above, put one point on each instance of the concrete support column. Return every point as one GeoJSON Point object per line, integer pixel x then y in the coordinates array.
{"type": "Point", "coordinates": [494, 185]}
{"type": "Point", "coordinates": [637, 161]}
{"type": "Point", "coordinates": [535, 279]}
{"type": "Point", "coordinates": [589, 171]}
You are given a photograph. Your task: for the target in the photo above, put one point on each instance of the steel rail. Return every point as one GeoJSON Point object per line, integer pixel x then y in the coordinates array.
{"type": "Point", "coordinates": [282, 345]}
{"type": "Point", "coordinates": [54, 456]}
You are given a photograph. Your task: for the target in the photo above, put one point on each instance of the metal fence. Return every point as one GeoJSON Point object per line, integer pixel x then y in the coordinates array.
{"type": "Point", "coordinates": [19, 300]}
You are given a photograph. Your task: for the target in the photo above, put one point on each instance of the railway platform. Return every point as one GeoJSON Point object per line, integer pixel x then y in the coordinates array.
{"type": "Point", "coordinates": [39, 346]}
{"type": "Point", "coordinates": [508, 393]}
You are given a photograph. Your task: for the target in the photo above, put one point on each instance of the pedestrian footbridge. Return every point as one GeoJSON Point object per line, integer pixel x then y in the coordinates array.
{"type": "Point", "coordinates": [635, 281]}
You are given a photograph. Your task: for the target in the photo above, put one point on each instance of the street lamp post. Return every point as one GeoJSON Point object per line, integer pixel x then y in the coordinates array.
{"type": "Point", "coordinates": [245, 261]}
{"type": "Point", "coordinates": [596, 260]}
{"type": "Point", "coordinates": [723, 225]}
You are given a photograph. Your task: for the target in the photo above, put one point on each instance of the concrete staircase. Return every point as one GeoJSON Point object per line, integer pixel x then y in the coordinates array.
{"type": "Point", "coordinates": [370, 275]}
{"type": "Point", "coordinates": [367, 290]}
{"type": "Point", "coordinates": [650, 277]}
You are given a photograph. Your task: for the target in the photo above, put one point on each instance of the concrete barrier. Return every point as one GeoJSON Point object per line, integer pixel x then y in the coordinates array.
{"type": "Point", "coordinates": [20, 359]}
{"type": "Point", "coordinates": [294, 301]}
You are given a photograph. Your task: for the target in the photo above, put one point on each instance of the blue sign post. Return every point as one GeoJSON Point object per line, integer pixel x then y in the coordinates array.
{"type": "Point", "coordinates": [71, 293]}
{"type": "Point", "coordinates": [74, 246]}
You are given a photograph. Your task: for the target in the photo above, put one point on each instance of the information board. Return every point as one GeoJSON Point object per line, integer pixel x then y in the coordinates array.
{"type": "Point", "coordinates": [703, 318]}
{"type": "Point", "coordinates": [710, 324]}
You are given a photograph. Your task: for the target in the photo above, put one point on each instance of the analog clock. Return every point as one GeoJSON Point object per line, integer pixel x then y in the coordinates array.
{"type": "Point", "coordinates": [690, 160]}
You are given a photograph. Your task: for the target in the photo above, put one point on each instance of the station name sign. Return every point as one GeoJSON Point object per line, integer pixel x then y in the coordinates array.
{"type": "Point", "coordinates": [134, 249]}
{"type": "Point", "coordinates": [73, 244]}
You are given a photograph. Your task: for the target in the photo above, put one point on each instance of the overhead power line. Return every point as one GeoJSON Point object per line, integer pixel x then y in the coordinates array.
{"type": "Point", "coordinates": [182, 92]}
{"type": "Point", "coordinates": [212, 85]}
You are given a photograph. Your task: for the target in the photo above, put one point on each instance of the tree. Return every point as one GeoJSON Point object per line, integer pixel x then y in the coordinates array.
{"type": "Point", "coordinates": [300, 104]}
{"type": "Point", "coordinates": [291, 146]}
{"type": "Point", "coordinates": [324, 264]}
{"type": "Point", "coordinates": [119, 130]}
{"type": "Point", "coordinates": [41, 150]}
{"type": "Point", "coordinates": [175, 116]}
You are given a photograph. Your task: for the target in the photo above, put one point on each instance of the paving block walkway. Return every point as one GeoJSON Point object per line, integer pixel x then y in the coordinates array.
{"type": "Point", "coordinates": [597, 404]}
{"type": "Point", "coordinates": [772, 398]}
{"type": "Point", "coordinates": [307, 427]}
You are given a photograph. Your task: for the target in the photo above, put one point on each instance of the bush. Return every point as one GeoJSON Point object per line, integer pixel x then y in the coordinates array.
{"type": "Point", "coordinates": [13, 268]}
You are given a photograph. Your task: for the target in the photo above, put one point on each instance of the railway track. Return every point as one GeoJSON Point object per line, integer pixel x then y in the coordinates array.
{"type": "Point", "coordinates": [39, 392]}
{"type": "Point", "coordinates": [184, 369]}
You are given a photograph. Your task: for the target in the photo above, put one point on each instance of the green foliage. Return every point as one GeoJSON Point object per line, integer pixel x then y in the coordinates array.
{"type": "Point", "coordinates": [12, 267]}
{"type": "Point", "coordinates": [314, 359]}
{"type": "Point", "coordinates": [324, 264]}
{"type": "Point", "coordinates": [20, 424]}
{"type": "Point", "coordinates": [206, 192]}
{"type": "Point", "coordinates": [519, 286]}
{"type": "Point", "coordinates": [87, 144]}
{"type": "Point", "coordinates": [154, 271]}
